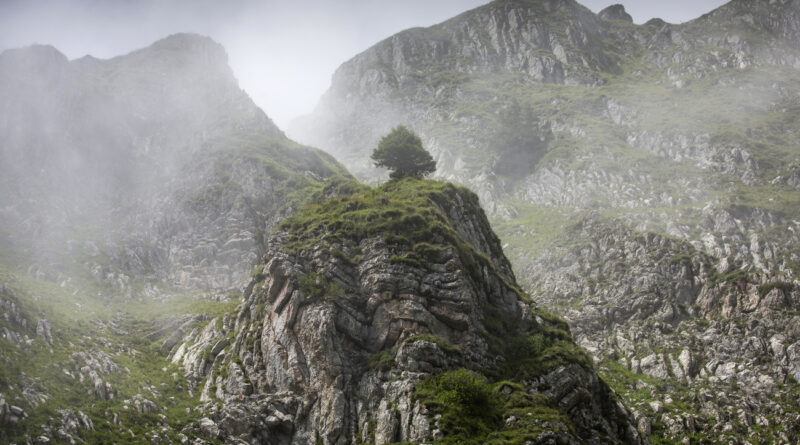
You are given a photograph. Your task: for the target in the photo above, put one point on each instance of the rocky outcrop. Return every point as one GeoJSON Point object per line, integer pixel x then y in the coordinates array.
{"type": "Point", "coordinates": [91, 365]}
{"type": "Point", "coordinates": [683, 327]}
{"type": "Point", "coordinates": [14, 324]}
{"type": "Point", "coordinates": [72, 423]}
{"type": "Point", "coordinates": [43, 330]}
{"type": "Point", "coordinates": [334, 338]}
{"type": "Point", "coordinates": [10, 414]}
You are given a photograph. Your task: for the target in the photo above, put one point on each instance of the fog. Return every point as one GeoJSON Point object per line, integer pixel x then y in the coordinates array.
{"type": "Point", "coordinates": [105, 143]}
{"type": "Point", "coordinates": [283, 53]}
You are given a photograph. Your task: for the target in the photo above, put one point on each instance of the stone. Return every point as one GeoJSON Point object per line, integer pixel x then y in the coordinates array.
{"type": "Point", "coordinates": [43, 330]}
{"type": "Point", "coordinates": [209, 428]}
{"type": "Point", "coordinates": [687, 363]}
{"type": "Point", "coordinates": [643, 425]}
{"type": "Point", "coordinates": [656, 406]}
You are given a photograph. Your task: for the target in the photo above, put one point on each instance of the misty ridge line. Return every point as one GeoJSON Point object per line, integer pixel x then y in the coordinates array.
{"type": "Point", "coordinates": [136, 157]}
{"type": "Point", "coordinates": [263, 38]}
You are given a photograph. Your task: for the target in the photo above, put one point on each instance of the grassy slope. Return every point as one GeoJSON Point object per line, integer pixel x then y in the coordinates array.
{"type": "Point", "coordinates": [90, 315]}
{"type": "Point", "coordinates": [86, 321]}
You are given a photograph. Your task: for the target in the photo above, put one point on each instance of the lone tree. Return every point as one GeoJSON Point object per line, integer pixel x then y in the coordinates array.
{"type": "Point", "coordinates": [401, 152]}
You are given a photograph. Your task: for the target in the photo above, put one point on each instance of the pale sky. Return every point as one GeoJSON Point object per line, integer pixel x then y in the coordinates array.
{"type": "Point", "coordinates": [283, 52]}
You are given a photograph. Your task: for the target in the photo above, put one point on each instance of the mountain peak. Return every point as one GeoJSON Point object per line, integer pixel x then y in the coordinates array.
{"type": "Point", "coordinates": [615, 12]}
{"type": "Point", "coordinates": [187, 46]}
{"type": "Point", "coordinates": [40, 65]}
{"type": "Point", "coordinates": [34, 57]}
{"type": "Point", "coordinates": [189, 42]}
{"type": "Point", "coordinates": [35, 50]}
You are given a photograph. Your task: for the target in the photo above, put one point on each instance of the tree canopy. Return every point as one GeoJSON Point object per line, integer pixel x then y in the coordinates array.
{"type": "Point", "coordinates": [401, 152]}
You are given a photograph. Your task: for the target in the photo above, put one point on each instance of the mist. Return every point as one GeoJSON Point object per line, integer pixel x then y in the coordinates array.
{"type": "Point", "coordinates": [176, 266]}
{"type": "Point", "coordinates": [283, 54]}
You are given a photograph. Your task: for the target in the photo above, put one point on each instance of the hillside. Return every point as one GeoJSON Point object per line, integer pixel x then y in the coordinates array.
{"type": "Point", "coordinates": [135, 197]}
{"type": "Point", "coordinates": [687, 133]}
{"type": "Point", "coordinates": [154, 164]}
{"type": "Point", "coordinates": [650, 122]}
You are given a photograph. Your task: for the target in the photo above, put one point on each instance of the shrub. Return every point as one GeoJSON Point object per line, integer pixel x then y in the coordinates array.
{"type": "Point", "coordinates": [465, 400]}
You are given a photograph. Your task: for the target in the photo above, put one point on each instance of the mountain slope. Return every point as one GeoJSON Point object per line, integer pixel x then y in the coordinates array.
{"type": "Point", "coordinates": [699, 352]}
{"type": "Point", "coordinates": [686, 133]}
{"type": "Point", "coordinates": [135, 197]}
{"type": "Point", "coordinates": [174, 170]}
{"type": "Point", "coordinates": [681, 116]}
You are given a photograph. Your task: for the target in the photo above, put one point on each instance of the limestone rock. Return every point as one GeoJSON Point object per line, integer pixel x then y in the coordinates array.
{"type": "Point", "coordinates": [675, 320]}
{"type": "Point", "coordinates": [43, 330]}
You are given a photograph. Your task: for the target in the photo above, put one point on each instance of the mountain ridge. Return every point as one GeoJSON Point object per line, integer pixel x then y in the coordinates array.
{"type": "Point", "coordinates": [161, 126]}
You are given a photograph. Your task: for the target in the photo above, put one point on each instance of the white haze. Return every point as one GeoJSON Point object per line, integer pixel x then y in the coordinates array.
{"type": "Point", "coordinates": [283, 53]}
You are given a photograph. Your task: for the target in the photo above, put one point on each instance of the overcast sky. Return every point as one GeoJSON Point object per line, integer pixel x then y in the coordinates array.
{"type": "Point", "coordinates": [283, 52]}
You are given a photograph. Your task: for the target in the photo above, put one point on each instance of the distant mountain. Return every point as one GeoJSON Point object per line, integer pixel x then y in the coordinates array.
{"type": "Point", "coordinates": [683, 133]}
{"type": "Point", "coordinates": [156, 159]}
{"type": "Point", "coordinates": [136, 195]}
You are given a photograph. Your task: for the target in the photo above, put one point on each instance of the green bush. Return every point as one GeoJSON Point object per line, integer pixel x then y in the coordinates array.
{"type": "Point", "coordinates": [382, 360]}
{"type": "Point", "coordinates": [465, 400]}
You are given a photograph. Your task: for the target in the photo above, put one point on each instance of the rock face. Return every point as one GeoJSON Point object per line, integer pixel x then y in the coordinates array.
{"type": "Point", "coordinates": [718, 341]}
{"type": "Point", "coordinates": [92, 365]}
{"type": "Point", "coordinates": [14, 325]}
{"type": "Point", "coordinates": [171, 168]}
{"type": "Point", "coordinates": [419, 73]}
{"type": "Point", "coordinates": [339, 328]}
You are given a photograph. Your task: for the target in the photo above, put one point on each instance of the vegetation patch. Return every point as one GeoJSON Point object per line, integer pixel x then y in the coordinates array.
{"type": "Point", "coordinates": [531, 354]}
{"type": "Point", "coordinates": [406, 212]}
{"type": "Point", "coordinates": [475, 411]}
{"type": "Point", "coordinates": [317, 285]}
{"type": "Point", "coordinates": [783, 286]}
{"type": "Point", "coordinates": [466, 401]}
